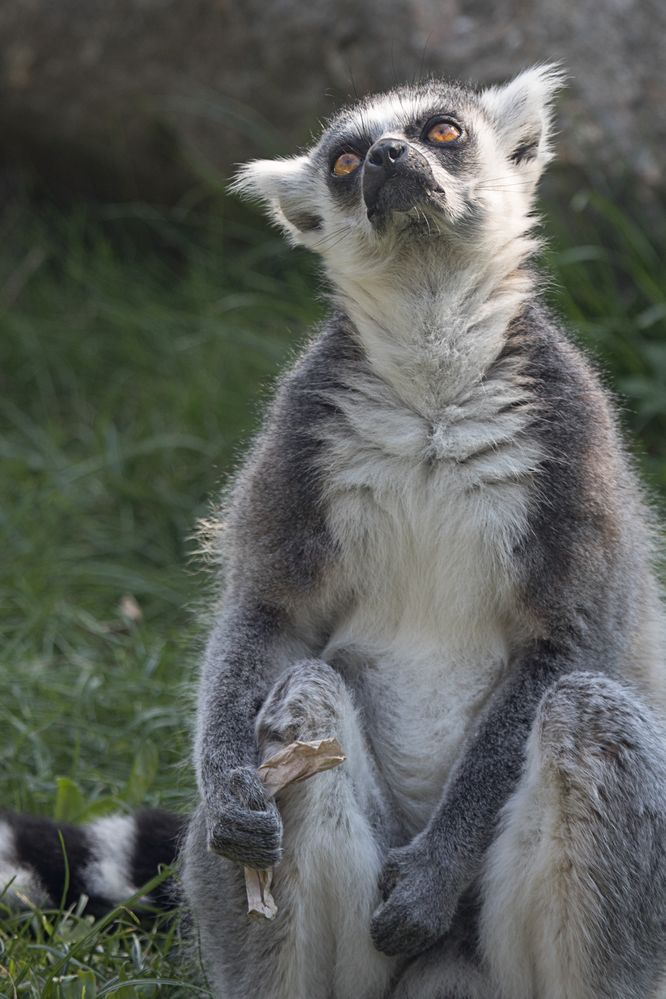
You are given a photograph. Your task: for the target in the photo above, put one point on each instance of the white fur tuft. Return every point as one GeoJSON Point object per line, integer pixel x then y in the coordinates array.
{"type": "Point", "coordinates": [522, 109]}
{"type": "Point", "coordinates": [284, 187]}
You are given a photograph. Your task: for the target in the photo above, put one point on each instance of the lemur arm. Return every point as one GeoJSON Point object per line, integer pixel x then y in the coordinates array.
{"type": "Point", "coordinates": [423, 882]}
{"type": "Point", "coordinates": [275, 548]}
{"type": "Point", "coordinates": [247, 650]}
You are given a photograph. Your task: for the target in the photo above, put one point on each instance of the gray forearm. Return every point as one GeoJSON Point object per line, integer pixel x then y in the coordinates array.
{"type": "Point", "coordinates": [247, 650]}
{"type": "Point", "coordinates": [464, 824]}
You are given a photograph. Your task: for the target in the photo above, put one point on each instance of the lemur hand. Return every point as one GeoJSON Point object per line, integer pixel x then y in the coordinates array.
{"type": "Point", "coordinates": [243, 823]}
{"type": "Point", "coordinates": [418, 904]}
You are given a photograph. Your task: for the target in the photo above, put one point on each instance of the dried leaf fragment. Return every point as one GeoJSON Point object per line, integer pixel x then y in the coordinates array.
{"type": "Point", "coordinates": [296, 762]}
{"type": "Point", "coordinates": [260, 902]}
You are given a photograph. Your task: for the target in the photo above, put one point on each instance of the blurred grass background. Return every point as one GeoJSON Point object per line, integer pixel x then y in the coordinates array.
{"type": "Point", "coordinates": [136, 347]}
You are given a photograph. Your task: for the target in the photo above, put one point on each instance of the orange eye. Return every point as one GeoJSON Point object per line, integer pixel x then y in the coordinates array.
{"type": "Point", "coordinates": [346, 164]}
{"type": "Point", "coordinates": [443, 132]}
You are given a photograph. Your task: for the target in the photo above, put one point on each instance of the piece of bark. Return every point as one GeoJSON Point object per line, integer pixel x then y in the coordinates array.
{"type": "Point", "coordinates": [296, 762]}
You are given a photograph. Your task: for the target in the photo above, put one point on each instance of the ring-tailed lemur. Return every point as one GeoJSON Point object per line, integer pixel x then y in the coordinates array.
{"type": "Point", "coordinates": [438, 552]}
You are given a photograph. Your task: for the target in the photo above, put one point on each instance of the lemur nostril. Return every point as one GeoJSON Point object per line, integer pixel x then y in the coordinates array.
{"type": "Point", "coordinates": [386, 153]}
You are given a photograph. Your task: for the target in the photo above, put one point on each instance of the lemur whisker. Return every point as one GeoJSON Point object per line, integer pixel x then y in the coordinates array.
{"type": "Point", "coordinates": [331, 238]}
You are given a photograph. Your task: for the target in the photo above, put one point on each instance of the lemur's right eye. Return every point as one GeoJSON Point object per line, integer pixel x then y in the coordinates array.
{"type": "Point", "coordinates": [345, 164]}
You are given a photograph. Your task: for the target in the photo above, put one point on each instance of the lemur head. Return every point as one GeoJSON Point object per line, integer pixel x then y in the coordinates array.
{"type": "Point", "coordinates": [430, 160]}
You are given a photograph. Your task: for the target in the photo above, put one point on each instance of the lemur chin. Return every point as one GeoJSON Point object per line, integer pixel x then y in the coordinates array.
{"type": "Point", "coordinates": [438, 552]}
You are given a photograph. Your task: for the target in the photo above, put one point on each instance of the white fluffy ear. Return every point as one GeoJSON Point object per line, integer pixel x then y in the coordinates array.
{"type": "Point", "coordinates": [286, 187]}
{"type": "Point", "coordinates": [522, 113]}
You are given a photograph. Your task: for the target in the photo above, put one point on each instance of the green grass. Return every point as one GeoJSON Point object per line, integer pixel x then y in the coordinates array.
{"type": "Point", "coordinates": [609, 265]}
{"type": "Point", "coordinates": [132, 360]}
{"type": "Point", "coordinates": [135, 350]}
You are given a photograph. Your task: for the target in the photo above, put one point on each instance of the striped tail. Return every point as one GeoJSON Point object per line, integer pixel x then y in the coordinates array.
{"type": "Point", "coordinates": [46, 863]}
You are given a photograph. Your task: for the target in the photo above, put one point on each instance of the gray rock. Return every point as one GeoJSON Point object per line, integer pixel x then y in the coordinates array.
{"type": "Point", "coordinates": [140, 96]}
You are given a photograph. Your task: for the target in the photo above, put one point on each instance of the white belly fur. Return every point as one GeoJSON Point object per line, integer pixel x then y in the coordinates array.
{"type": "Point", "coordinates": [429, 548]}
{"type": "Point", "coordinates": [420, 701]}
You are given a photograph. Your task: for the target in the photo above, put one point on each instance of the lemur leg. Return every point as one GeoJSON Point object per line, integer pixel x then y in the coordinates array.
{"type": "Point", "coordinates": [437, 978]}
{"type": "Point", "coordinates": [325, 887]}
{"type": "Point", "coordinates": [450, 970]}
{"type": "Point", "coordinates": [575, 883]}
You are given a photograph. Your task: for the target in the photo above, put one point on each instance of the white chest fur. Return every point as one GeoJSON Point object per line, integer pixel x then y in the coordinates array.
{"type": "Point", "coordinates": [426, 514]}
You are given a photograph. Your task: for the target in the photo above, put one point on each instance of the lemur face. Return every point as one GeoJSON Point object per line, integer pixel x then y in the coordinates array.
{"type": "Point", "coordinates": [400, 158]}
{"type": "Point", "coordinates": [429, 160]}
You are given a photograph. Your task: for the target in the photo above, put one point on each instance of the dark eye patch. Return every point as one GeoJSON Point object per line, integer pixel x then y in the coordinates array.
{"type": "Point", "coordinates": [415, 128]}
{"type": "Point", "coordinates": [347, 141]}
{"type": "Point", "coordinates": [460, 156]}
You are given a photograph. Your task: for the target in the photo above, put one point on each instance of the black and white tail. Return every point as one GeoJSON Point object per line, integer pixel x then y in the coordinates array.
{"type": "Point", "coordinates": [45, 863]}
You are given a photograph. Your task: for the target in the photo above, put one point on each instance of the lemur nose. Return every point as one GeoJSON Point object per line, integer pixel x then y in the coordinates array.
{"type": "Point", "coordinates": [385, 154]}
